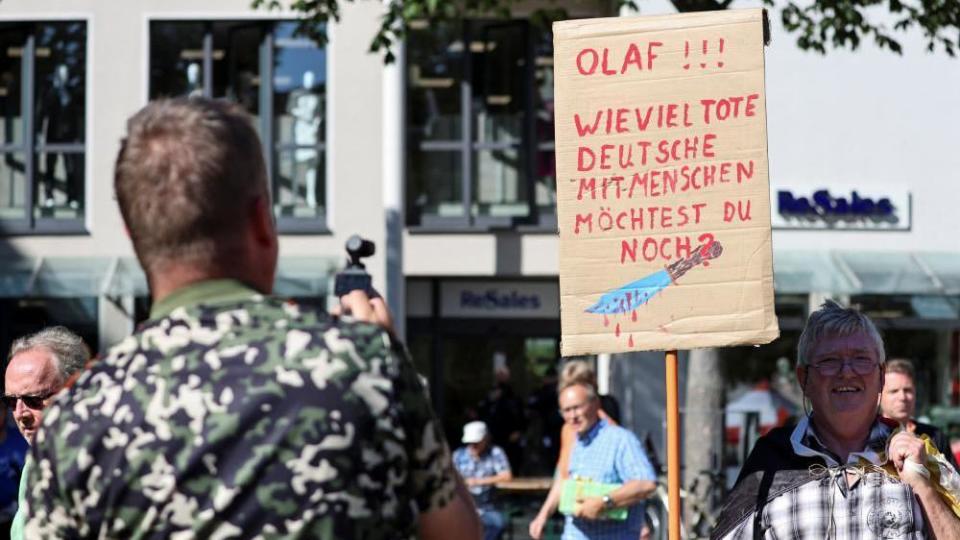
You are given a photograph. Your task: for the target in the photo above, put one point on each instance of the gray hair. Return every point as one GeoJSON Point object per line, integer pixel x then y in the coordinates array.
{"type": "Point", "coordinates": [68, 350]}
{"type": "Point", "coordinates": [577, 372]}
{"type": "Point", "coordinates": [586, 385]}
{"type": "Point", "coordinates": [832, 319]}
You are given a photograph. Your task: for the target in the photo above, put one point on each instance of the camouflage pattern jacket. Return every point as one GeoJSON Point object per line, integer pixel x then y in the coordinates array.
{"type": "Point", "coordinates": [241, 417]}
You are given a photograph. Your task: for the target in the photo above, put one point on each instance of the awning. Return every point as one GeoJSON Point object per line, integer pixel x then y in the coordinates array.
{"type": "Point", "coordinates": [78, 277]}
{"type": "Point", "coordinates": [924, 274]}
{"type": "Point", "coordinates": [866, 272]}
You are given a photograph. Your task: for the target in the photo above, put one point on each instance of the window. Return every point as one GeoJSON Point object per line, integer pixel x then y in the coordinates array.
{"type": "Point", "coordinates": [232, 60]}
{"type": "Point", "coordinates": [43, 99]}
{"type": "Point", "coordinates": [480, 126]}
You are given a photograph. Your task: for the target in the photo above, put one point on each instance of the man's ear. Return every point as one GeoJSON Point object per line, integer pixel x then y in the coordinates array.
{"type": "Point", "coordinates": [802, 378]}
{"type": "Point", "coordinates": [262, 228]}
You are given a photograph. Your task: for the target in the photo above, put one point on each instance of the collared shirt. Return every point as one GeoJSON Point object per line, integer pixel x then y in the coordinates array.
{"type": "Point", "coordinates": [490, 463]}
{"type": "Point", "coordinates": [875, 506]}
{"type": "Point", "coordinates": [19, 519]}
{"type": "Point", "coordinates": [611, 455]}
{"type": "Point", "coordinates": [230, 414]}
{"type": "Point", "coordinates": [202, 292]}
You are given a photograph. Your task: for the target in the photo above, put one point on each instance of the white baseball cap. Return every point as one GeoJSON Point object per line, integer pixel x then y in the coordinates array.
{"type": "Point", "coordinates": [474, 432]}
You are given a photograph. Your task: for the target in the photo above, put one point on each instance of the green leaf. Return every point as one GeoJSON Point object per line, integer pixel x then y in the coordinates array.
{"type": "Point", "coordinates": [818, 24]}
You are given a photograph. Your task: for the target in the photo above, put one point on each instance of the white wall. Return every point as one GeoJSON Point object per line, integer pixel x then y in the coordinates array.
{"type": "Point", "coordinates": [862, 119]}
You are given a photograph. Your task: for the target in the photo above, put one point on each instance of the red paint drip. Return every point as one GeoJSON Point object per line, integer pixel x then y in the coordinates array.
{"type": "Point", "coordinates": [606, 321]}
{"type": "Point", "coordinates": [630, 341]}
{"type": "Point", "coordinates": [617, 330]}
{"type": "Point", "coordinates": [720, 63]}
{"type": "Point", "coordinates": [706, 263]}
{"type": "Point", "coordinates": [634, 316]}
{"type": "Point", "coordinates": [686, 53]}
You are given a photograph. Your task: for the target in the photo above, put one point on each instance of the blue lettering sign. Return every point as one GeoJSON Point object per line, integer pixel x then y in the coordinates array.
{"type": "Point", "coordinates": [831, 208]}
{"type": "Point", "coordinates": [494, 299]}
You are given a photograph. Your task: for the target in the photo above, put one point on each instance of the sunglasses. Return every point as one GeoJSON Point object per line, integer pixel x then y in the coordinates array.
{"type": "Point", "coordinates": [35, 402]}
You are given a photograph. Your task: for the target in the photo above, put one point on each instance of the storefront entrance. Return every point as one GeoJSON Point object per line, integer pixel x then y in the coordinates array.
{"type": "Point", "coordinates": [500, 369]}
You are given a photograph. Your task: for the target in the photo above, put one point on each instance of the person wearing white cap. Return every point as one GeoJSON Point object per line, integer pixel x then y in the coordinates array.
{"type": "Point", "coordinates": [482, 466]}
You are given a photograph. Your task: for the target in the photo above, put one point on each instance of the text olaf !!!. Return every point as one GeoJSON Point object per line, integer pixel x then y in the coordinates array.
{"type": "Point", "coordinates": [663, 200]}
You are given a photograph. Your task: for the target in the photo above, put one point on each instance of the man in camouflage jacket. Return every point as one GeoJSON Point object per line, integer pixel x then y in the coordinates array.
{"type": "Point", "coordinates": [231, 414]}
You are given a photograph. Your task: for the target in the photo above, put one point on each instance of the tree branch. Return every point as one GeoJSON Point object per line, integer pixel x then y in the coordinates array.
{"type": "Point", "coordinates": [820, 25]}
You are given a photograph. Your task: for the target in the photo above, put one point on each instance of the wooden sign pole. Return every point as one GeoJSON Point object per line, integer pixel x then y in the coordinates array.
{"type": "Point", "coordinates": [673, 446]}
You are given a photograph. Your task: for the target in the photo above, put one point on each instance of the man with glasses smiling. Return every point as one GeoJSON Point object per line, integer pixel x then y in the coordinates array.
{"type": "Point", "coordinates": [39, 366]}
{"type": "Point", "coordinates": [843, 471]}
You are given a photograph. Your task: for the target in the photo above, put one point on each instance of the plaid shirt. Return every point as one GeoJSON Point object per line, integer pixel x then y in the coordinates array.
{"type": "Point", "coordinates": [875, 506]}
{"type": "Point", "coordinates": [610, 455]}
{"type": "Point", "coordinates": [490, 463]}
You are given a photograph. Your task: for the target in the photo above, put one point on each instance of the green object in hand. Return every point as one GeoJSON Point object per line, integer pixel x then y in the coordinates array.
{"type": "Point", "coordinates": [575, 489]}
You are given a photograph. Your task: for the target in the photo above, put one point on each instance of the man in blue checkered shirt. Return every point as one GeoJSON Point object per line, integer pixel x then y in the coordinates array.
{"type": "Point", "coordinates": [483, 465]}
{"type": "Point", "coordinates": [606, 454]}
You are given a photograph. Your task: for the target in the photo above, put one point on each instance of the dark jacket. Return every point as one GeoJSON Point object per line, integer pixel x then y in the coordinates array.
{"type": "Point", "coordinates": [771, 470]}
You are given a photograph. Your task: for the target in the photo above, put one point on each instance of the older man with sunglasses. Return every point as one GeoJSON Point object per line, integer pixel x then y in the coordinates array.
{"type": "Point", "coordinates": [39, 366]}
{"type": "Point", "coordinates": [843, 471]}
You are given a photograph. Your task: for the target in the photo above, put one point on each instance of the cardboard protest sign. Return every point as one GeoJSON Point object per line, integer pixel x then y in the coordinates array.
{"type": "Point", "coordinates": [662, 182]}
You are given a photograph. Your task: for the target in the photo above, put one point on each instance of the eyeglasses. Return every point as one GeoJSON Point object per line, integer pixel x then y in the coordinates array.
{"type": "Point", "coordinates": [35, 402]}
{"type": "Point", "coordinates": [574, 409]}
{"type": "Point", "coordinates": [833, 366]}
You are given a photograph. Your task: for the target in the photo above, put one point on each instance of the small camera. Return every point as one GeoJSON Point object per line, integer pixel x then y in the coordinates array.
{"type": "Point", "coordinates": [354, 276]}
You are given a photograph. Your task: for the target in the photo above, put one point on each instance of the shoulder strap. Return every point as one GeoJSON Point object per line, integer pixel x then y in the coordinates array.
{"type": "Point", "coordinates": [771, 470]}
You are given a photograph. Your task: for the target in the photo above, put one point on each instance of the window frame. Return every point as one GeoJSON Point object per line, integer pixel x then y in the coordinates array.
{"type": "Point", "coordinates": [265, 122]}
{"type": "Point", "coordinates": [30, 224]}
{"type": "Point", "coordinates": [469, 148]}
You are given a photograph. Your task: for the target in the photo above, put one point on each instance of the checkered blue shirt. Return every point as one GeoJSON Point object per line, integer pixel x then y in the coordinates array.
{"type": "Point", "coordinates": [611, 455]}
{"type": "Point", "coordinates": [490, 463]}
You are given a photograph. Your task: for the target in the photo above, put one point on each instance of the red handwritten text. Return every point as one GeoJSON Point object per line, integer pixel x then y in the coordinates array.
{"type": "Point", "coordinates": [623, 120]}
{"type": "Point", "coordinates": [722, 109]}
{"type": "Point", "coordinates": [607, 156]}
{"type": "Point", "coordinates": [663, 182]}
{"type": "Point", "coordinates": [588, 60]}
{"type": "Point", "coordinates": [664, 248]}
{"type": "Point", "coordinates": [650, 218]}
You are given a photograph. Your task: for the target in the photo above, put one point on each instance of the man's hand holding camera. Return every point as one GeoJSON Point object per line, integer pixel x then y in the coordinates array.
{"type": "Point", "coordinates": [358, 299]}
{"type": "Point", "coordinates": [360, 306]}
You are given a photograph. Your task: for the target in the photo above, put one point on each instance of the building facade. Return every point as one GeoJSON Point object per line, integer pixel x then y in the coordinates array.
{"type": "Point", "coordinates": [445, 160]}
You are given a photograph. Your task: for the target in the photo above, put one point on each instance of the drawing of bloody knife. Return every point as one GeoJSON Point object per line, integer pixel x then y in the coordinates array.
{"type": "Point", "coordinates": [636, 293]}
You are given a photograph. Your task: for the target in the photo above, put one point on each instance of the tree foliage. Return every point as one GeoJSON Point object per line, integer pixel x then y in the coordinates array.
{"type": "Point", "coordinates": [818, 24]}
